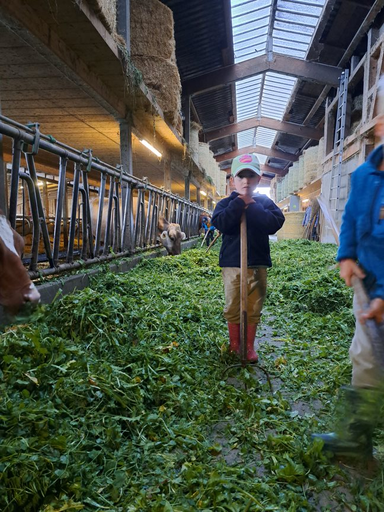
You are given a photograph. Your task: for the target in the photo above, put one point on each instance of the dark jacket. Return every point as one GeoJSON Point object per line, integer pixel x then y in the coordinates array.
{"type": "Point", "coordinates": [264, 218]}
{"type": "Point", "coordinates": [356, 240]}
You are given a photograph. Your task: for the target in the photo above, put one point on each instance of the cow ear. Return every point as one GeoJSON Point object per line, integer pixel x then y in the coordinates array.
{"type": "Point", "coordinates": [163, 235]}
{"type": "Point", "coordinates": [183, 235]}
{"type": "Point", "coordinates": [162, 224]}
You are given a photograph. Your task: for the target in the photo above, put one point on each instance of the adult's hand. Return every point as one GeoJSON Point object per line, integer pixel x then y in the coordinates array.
{"type": "Point", "coordinates": [375, 311]}
{"type": "Point", "coordinates": [349, 268]}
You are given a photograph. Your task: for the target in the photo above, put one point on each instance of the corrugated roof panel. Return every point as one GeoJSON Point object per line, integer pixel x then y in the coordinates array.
{"type": "Point", "coordinates": [245, 139]}
{"type": "Point", "coordinates": [265, 137]}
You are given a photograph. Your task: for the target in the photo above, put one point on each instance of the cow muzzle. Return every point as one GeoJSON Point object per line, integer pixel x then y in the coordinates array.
{"type": "Point", "coordinates": [32, 295]}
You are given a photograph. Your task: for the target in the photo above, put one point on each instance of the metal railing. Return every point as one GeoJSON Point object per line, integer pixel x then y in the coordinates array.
{"type": "Point", "coordinates": [98, 212]}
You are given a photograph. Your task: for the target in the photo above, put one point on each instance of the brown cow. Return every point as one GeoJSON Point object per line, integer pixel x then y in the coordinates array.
{"type": "Point", "coordinates": [16, 288]}
{"type": "Point", "coordinates": [171, 236]}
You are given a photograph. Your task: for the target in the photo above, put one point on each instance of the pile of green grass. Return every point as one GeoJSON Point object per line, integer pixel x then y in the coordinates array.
{"type": "Point", "coordinates": [114, 398]}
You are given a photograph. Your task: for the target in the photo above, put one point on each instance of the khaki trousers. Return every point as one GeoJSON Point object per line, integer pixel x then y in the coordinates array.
{"type": "Point", "coordinates": [365, 371]}
{"type": "Point", "coordinates": [257, 287]}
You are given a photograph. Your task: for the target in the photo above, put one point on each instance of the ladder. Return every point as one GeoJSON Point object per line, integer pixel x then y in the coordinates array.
{"type": "Point", "coordinates": [338, 145]}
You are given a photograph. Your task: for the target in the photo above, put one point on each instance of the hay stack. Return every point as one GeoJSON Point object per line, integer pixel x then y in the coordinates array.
{"type": "Point", "coordinates": [320, 158]}
{"type": "Point", "coordinates": [194, 140]}
{"type": "Point", "coordinates": [292, 227]}
{"type": "Point", "coordinates": [310, 164]}
{"type": "Point", "coordinates": [301, 171]}
{"type": "Point", "coordinates": [153, 53]}
{"type": "Point", "coordinates": [105, 10]}
{"type": "Point", "coordinates": [295, 176]}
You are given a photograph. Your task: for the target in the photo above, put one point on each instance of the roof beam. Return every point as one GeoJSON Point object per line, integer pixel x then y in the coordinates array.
{"type": "Point", "coordinates": [273, 153]}
{"type": "Point", "coordinates": [265, 122]}
{"type": "Point", "coordinates": [283, 64]}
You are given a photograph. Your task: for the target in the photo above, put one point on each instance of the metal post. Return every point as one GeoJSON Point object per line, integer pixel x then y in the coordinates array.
{"type": "Point", "coordinates": [187, 182]}
{"type": "Point", "coordinates": [167, 176]}
{"type": "Point", "coordinates": [187, 118]}
{"type": "Point", "coordinates": [198, 199]}
{"type": "Point", "coordinates": [123, 21]}
{"type": "Point", "coordinates": [16, 150]}
{"type": "Point", "coordinates": [59, 209]}
{"type": "Point", "coordinates": [3, 176]}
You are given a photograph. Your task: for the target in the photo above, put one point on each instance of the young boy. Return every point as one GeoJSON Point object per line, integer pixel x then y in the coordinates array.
{"type": "Point", "coordinates": [264, 218]}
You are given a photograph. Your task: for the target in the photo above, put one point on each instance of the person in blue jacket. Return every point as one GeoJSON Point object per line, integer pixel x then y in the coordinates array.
{"type": "Point", "coordinates": [209, 230]}
{"type": "Point", "coordinates": [264, 218]}
{"type": "Point", "coordinates": [361, 254]}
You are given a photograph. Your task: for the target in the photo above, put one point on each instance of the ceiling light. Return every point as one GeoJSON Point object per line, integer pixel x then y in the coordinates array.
{"type": "Point", "coordinates": [40, 183]}
{"type": "Point", "coordinates": [305, 200]}
{"type": "Point", "coordinates": [203, 193]}
{"type": "Point", "coordinates": [151, 148]}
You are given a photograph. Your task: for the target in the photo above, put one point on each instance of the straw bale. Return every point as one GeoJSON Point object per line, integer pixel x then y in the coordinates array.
{"type": "Point", "coordinates": [152, 32]}
{"type": "Point", "coordinates": [290, 181]}
{"type": "Point", "coordinates": [301, 171]}
{"type": "Point", "coordinates": [163, 79]}
{"type": "Point", "coordinates": [295, 176]}
{"type": "Point", "coordinates": [292, 227]}
{"type": "Point", "coordinates": [194, 140]}
{"type": "Point", "coordinates": [105, 10]}
{"type": "Point", "coordinates": [223, 183]}
{"type": "Point", "coordinates": [310, 164]}
{"type": "Point", "coordinates": [285, 186]}
{"type": "Point", "coordinates": [320, 157]}
{"type": "Point", "coordinates": [278, 191]}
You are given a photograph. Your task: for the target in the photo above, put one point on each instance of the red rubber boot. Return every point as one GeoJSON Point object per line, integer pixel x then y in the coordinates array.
{"type": "Point", "coordinates": [234, 337]}
{"type": "Point", "coordinates": [251, 334]}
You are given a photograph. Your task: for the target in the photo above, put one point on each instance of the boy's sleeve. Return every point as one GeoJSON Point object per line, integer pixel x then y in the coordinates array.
{"type": "Point", "coordinates": [348, 242]}
{"type": "Point", "coordinates": [227, 215]}
{"type": "Point", "coordinates": [265, 216]}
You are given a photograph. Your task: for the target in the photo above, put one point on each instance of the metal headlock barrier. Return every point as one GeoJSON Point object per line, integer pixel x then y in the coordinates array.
{"type": "Point", "coordinates": [86, 212]}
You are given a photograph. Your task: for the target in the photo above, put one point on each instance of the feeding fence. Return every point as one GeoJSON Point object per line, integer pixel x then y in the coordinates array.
{"type": "Point", "coordinates": [85, 210]}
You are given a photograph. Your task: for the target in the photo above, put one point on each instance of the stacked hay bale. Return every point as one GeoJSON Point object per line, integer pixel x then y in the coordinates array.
{"type": "Point", "coordinates": [301, 171]}
{"type": "Point", "coordinates": [273, 189]}
{"type": "Point", "coordinates": [285, 186]}
{"type": "Point", "coordinates": [209, 164]}
{"type": "Point", "coordinates": [106, 11]}
{"type": "Point", "coordinates": [320, 158]}
{"type": "Point", "coordinates": [310, 164]}
{"type": "Point", "coordinates": [152, 50]}
{"type": "Point", "coordinates": [194, 141]}
{"type": "Point", "coordinates": [153, 53]}
{"type": "Point", "coordinates": [278, 191]}
{"type": "Point", "coordinates": [223, 183]}
{"type": "Point", "coordinates": [295, 176]}
{"type": "Point", "coordinates": [292, 227]}
{"type": "Point", "coordinates": [290, 181]}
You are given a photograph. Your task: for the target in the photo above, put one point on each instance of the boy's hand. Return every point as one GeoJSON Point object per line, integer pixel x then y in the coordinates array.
{"type": "Point", "coordinates": [349, 268]}
{"type": "Point", "coordinates": [375, 311]}
{"type": "Point", "coordinates": [247, 199]}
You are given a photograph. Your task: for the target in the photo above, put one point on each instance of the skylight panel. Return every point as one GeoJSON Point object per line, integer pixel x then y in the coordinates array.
{"type": "Point", "coordinates": [245, 138]}
{"type": "Point", "coordinates": [265, 137]}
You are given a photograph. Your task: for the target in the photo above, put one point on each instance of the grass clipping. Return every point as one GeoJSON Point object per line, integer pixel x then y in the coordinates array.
{"type": "Point", "coordinates": [113, 398]}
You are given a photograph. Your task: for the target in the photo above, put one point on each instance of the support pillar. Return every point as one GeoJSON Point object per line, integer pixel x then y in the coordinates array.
{"type": "Point", "coordinates": [126, 146]}
{"type": "Point", "coordinates": [123, 22]}
{"type": "Point", "coordinates": [3, 176]}
{"type": "Point", "coordinates": [198, 197]}
{"type": "Point", "coordinates": [187, 187]}
{"type": "Point", "coordinates": [187, 118]}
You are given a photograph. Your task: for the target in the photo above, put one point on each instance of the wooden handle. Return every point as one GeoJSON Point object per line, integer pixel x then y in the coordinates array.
{"type": "Point", "coordinates": [243, 288]}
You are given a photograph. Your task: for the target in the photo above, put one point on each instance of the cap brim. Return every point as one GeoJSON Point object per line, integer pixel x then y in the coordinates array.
{"type": "Point", "coordinates": [248, 168]}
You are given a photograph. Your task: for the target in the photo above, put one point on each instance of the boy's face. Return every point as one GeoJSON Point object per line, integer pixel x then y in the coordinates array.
{"type": "Point", "coordinates": [246, 182]}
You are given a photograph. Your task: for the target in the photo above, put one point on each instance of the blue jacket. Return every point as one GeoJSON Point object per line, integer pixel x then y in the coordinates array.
{"type": "Point", "coordinates": [356, 239]}
{"type": "Point", "coordinates": [264, 218]}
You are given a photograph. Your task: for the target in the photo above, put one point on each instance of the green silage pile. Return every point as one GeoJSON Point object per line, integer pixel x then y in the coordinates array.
{"type": "Point", "coordinates": [113, 398]}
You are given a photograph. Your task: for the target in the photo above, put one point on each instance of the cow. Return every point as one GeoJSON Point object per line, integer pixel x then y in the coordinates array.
{"type": "Point", "coordinates": [170, 236]}
{"type": "Point", "coordinates": [16, 288]}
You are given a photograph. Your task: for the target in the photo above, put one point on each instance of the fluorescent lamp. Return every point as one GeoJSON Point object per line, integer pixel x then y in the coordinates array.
{"type": "Point", "coordinates": [213, 202]}
{"type": "Point", "coordinates": [151, 148]}
{"type": "Point", "coordinates": [305, 200]}
{"type": "Point", "coordinates": [203, 193]}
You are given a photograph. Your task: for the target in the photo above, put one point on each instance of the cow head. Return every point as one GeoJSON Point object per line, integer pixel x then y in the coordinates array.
{"type": "Point", "coordinates": [16, 288]}
{"type": "Point", "coordinates": [171, 236]}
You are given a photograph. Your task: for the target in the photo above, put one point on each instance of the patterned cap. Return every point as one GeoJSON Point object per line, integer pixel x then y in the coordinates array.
{"type": "Point", "coordinates": [242, 162]}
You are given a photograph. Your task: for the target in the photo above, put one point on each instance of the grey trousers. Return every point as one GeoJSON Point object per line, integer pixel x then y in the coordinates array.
{"type": "Point", "coordinates": [365, 370]}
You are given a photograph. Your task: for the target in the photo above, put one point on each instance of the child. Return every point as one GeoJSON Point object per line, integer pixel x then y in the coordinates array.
{"type": "Point", "coordinates": [361, 254]}
{"type": "Point", "coordinates": [264, 218]}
